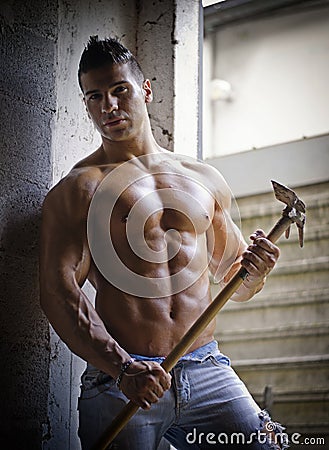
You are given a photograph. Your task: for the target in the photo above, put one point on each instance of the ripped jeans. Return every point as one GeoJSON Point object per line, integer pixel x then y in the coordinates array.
{"type": "Point", "coordinates": [207, 407]}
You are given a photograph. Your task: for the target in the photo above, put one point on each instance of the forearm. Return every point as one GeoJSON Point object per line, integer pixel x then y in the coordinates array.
{"type": "Point", "coordinates": [77, 323]}
{"type": "Point", "coordinates": [258, 260]}
{"type": "Point", "coordinates": [249, 287]}
{"type": "Point", "coordinates": [247, 290]}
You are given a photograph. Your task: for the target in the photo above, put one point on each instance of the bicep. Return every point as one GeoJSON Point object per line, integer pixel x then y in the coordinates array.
{"type": "Point", "coordinates": [225, 244]}
{"type": "Point", "coordinates": [64, 255]}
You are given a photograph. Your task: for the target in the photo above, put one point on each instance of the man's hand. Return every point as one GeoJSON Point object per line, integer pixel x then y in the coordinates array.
{"type": "Point", "coordinates": [145, 382]}
{"type": "Point", "coordinates": [259, 258]}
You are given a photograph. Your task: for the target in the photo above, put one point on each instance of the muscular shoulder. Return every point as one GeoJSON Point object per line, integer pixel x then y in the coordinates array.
{"type": "Point", "coordinates": [210, 178]}
{"type": "Point", "coordinates": [217, 185]}
{"type": "Point", "coordinates": [71, 197]}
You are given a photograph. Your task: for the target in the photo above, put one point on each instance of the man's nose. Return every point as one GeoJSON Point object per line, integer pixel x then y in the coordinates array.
{"type": "Point", "coordinates": [110, 103]}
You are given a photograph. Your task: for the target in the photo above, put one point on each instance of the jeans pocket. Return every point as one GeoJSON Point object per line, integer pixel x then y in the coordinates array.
{"type": "Point", "coordinates": [220, 360]}
{"type": "Point", "coordinates": [94, 383]}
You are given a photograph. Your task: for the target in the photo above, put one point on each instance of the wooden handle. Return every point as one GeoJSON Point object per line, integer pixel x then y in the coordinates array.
{"type": "Point", "coordinates": [190, 336]}
{"type": "Point", "coordinates": [119, 422]}
{"type": "Point", "coordinates": [279, 228]}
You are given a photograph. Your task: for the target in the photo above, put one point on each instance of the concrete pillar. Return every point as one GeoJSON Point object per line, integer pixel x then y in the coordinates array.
{"type": "Point", "coordinates": [188, 64]}
{"type": "Point", "coordinates": [45, 131]}
{"type": "Point", "coordinates": [168, 47]}
{"type": "Point", "coordinates": [27, 111]}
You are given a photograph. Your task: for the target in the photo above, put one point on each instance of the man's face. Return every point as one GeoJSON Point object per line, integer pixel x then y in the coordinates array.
{"type": "Point", "coordinates": [115, 101]}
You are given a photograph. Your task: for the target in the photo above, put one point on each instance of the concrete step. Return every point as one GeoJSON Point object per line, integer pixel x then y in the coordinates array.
{"type": "Point", "coordinates": [262, 206]}
{"type": "Point", "coordinates": [280, 338]}
{"type": "Point", "coordinates": [294, 389]}
{"type": "Point", "coordinates": [291, 340]}
{"type": "Point", "coordinates": [289, 276]}
{"type": "Point", "coordinates": [288, 279]}
{"type": "Point", "coordinates": [284, 373]}
{"type": "Point", "coordinates": [263, 312]}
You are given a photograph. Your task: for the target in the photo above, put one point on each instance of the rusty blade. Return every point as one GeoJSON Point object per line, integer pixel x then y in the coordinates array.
{"type": "Point", "coordinates": [287, 196]}
{"type": "Point", "coordinates": [301, 235]}
{"type": "Point", "coordinates": [287, 234]}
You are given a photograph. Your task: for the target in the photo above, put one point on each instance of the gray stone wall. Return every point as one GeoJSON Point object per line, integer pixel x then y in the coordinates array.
{"type": "Point", "coordinates": [27, 111]}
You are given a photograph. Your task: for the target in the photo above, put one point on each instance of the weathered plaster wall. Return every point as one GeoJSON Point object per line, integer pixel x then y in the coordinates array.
{"type": "Point", "coordinates": [27, 111]}
{"type": "Point", "coordinates": [168, 46]}
{"type": "Point", "coordinates": [74, 136]}
{"type": "Point", "coordinates": [155, 49]}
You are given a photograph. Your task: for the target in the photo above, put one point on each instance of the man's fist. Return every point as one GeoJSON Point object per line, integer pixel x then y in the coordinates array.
{"type": "Point", "coordinates": [259, 258]}
{"type": "Point", "coordinates": [145, 382]}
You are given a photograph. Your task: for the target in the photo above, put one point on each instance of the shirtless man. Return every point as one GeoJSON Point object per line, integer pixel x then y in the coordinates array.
{"type": "Point", "coordinates": [144, 226]}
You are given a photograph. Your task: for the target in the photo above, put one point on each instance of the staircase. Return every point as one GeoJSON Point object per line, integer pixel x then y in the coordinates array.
{"type": "Point", "coordinates": [279, 341]}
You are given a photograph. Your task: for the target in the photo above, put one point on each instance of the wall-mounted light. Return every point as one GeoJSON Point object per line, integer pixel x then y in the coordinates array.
{"type": "Point", "coordinates": [211, 2]}
{"type": "Point", "coordinates": [220, 90]}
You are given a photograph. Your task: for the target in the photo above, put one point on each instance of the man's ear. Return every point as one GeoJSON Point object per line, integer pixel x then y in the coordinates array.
{"type": "Point", "coordinates": [147, 89]}
{"type": "Point", "coordinates": [85, 103]}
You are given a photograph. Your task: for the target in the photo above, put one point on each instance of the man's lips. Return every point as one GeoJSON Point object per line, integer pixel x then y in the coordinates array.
{"type": "Point", "coordinates": [114, 122]}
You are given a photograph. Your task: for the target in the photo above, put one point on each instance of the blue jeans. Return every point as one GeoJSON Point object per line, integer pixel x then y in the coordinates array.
{"type": "Point", "coordinates": [207, 407]}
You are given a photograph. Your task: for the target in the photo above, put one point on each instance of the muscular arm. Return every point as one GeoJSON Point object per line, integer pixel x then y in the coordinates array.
{"type": "Point", "coordinates": [64, 266]}
{"type": "Point", "coordinates": [228, 249]}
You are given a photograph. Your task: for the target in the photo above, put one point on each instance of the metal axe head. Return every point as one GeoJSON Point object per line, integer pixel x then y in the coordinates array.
{"type": "Point", "coordinates": [295, 208]}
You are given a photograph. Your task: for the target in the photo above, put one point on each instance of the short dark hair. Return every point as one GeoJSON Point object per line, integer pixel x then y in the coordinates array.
{"type": "Point", "coordinates": [98, 53]}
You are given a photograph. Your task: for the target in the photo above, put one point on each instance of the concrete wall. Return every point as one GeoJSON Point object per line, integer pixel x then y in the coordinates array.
{"type": "Point", "coordinates": [278, 69]}
{"type": "Point", "coordinates": [171, 61]}
{"type": "Point", "coordinates": [44, 132]}
{"type": "Point", "coordinates": [27, 113]}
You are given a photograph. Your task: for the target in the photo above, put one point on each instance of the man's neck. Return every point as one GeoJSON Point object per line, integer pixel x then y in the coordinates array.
{"type": "Point", "coordinates": [115, 152]}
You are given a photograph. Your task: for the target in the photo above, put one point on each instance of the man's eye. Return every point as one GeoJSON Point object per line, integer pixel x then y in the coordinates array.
{"type": "Point", "coordinates": [95, 97]}
{"type": "Point", "coordinates": [120, 89]}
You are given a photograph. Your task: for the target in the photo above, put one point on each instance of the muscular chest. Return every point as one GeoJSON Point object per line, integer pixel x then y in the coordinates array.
{"type": "Point", "coordinates": [163, 202]}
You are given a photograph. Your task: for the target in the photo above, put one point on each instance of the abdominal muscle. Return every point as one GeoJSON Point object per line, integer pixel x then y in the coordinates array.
{"type": "Point", "coordinates": [153, 326]}
{"type": "Point", "coordinates": [169, 257]}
